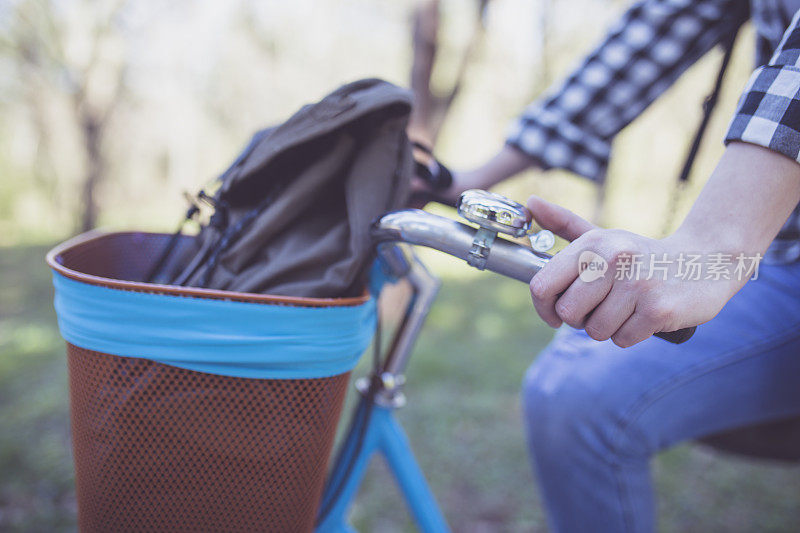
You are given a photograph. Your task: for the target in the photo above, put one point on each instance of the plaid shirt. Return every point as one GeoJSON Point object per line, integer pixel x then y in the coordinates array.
{"type": "Point", "coordinates": [647, 50]}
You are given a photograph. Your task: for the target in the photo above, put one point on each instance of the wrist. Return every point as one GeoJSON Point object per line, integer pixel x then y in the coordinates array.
{"type": "Point", "coordinates": [706, 234]}
{"type": "Point", "coordinates": [745, 202]}
{"type": "Point", "coordinates": [468, 179]}
{"type": "Point", "coordinates": [507, 162]}
{"type": "Point", "coordinates": [688, 238]}
{"type": "Point", "coordinates": [714, 251]}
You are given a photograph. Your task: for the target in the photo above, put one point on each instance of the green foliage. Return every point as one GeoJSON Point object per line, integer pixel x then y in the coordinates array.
{"type": "Point", "coordinates": [463, 420]}
{"type": "Point", "coordinates": [189, 108]}
{"type": "Point", "coordinates": [36, 488]}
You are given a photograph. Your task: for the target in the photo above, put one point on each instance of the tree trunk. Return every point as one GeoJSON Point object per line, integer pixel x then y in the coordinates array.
{"type": "Point", "coordinates": [95, 169]}
{"type": "Point", "coordinates": [430, 110]}
{"type": "Point", "coordinates": [425, 30]}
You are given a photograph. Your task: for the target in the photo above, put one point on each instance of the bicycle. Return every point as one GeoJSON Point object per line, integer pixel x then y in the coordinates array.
{"type": "Point", "coordinates": [373, 427]}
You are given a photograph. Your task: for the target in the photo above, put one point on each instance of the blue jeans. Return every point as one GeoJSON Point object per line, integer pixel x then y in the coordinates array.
{"type": "Point", "coordinates": [596, 414]}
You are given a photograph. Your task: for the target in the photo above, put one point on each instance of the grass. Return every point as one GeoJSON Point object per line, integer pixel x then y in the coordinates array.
{"type": "Point", "coordinates": [463, 420]}
{"type": "Point", "coordinates": [36, 490]}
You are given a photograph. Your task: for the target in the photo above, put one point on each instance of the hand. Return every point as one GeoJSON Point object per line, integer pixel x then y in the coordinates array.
{"type": "Point", "coordinates": [625, 310]}
{"type": "Point", "coordinates": [449, 195]}
{"type": "Point", "coordinates": [421, 190]}
{"type": "Point", "coordinates": [507, 162]}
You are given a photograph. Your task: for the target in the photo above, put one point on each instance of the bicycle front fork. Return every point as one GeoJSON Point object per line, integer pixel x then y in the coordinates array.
{"type": "Point", "coordinates": [374, 428]}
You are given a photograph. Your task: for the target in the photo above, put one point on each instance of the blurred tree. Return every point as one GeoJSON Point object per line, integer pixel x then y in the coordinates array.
{"type": "Point", "coordinates": [430, 109]}
{"type": "Point", "coordinates": [70, 50]}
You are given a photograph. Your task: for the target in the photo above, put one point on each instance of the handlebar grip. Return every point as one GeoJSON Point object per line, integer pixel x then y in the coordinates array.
{"type": "Point", "coordinates": [677, 337]}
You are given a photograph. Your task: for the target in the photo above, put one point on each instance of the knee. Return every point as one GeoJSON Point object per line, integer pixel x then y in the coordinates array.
{"type": "Point", "coordinates": [568, 411]}
{"type": "Point", "coordinates": [557, 410]}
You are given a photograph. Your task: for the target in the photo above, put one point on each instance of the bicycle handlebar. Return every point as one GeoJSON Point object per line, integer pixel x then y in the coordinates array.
{"type": "Point", "coordinates": [414, 226]}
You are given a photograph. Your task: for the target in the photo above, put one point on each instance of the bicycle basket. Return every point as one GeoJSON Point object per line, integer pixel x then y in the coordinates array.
{"type": "Point", "coordinates": [193, 409]}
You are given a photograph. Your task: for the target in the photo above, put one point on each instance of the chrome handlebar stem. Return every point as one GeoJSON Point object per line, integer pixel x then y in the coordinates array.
{"type": "Point", "coordinates": [393, 233]}
{"type": "Point", "coordinates": [420, 228]}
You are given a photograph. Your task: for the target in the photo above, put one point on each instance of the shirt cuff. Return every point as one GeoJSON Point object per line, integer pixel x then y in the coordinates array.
{"type": "Point", "coordinates": [768, 113]}
{"type": "Point", "coordinates": [555, 142]}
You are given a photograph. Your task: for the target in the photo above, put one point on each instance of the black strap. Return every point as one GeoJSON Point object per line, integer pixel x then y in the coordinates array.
{"type": "Point", "coordinates": [708, 107]}
{"type": "Point", "coordinates": [438, 179]}
{"type": "Point", "coordinates": [166, 252]}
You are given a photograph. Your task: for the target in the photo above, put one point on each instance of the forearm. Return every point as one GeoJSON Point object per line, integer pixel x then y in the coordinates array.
{"type": "Point", "coordinates": [507, 162]}
{"type": "Point", "coordinates": [747, 199]}
{"type": "Point", "coordinates": [573, 125]}
{"type": "Point", "coordinates": [744, 204]}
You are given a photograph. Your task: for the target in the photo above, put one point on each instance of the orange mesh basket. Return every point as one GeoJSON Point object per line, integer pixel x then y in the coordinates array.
{"type": "Point", "coordinates": [162, 448]}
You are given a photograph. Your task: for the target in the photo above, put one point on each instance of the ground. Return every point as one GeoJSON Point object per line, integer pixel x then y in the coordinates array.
{"type": "Point", "coordinates": [463, 420]}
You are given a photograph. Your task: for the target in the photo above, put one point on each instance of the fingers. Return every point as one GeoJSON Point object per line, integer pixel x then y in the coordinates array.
{"type": "Point", "coordinates": [557, 219]}
{"type": "Point", "coordinates": [544, 305]}
{"type": "Point", "coordinates": [611, 314]}
{"type": "Point", "coordinates": [420, 193]}
{"type": "Point", "coordinates": [418, 184]}
{"type": "Point", "coordinates": [581, 299]}
{"type": "Point", "coordinates": [650, 316]}
{"type": "Point", "coordinates": [562, 270]}
{"type": "Point", "coordinates": [559, 274]}
{"type": "Point", "coordinates": [578, 285]}
{"type": "Point", "coordinates": [554, 279]}
{"type": "Point", "coordinates": [636, 329]}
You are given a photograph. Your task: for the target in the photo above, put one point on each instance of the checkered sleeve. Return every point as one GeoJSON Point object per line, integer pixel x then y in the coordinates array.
{"type": "Point", "coordinates": [768, 113]}
{"type": "Point", "coordinates": [644, 53]}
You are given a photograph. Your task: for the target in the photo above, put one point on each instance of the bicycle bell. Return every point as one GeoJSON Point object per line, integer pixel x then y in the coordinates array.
{"type": "Point", "coordinates": [493, 214]}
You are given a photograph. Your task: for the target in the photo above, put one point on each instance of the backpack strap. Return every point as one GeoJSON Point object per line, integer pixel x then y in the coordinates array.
{"type": "Point", "coordinates": [708, 107]}
{"type": "Point", "coordinates": [709, 104]}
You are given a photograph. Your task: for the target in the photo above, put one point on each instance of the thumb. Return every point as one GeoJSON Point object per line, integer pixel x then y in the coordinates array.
{"type": "Point", "coordinates": [557, 219]}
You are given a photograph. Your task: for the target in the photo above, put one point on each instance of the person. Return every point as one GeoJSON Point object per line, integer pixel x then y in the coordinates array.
{"type": "Point", "coordinates": [603, 398]}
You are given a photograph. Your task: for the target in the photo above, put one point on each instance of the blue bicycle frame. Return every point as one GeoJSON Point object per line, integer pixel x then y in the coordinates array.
{"type": "Point", "coordinates": [384, 435]}
{"type": "Point", "coordinates": [374, 428]}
